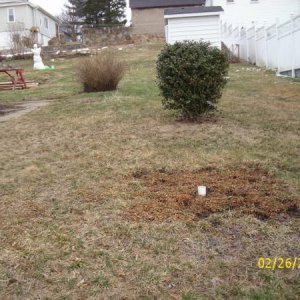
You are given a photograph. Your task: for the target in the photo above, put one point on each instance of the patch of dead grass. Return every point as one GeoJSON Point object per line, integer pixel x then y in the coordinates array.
{"type": "Point", "coordinates": [171, 195]}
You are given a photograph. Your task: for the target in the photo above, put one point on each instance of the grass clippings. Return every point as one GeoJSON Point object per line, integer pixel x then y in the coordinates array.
{"type": "Point", "coordinates": [172, 195]}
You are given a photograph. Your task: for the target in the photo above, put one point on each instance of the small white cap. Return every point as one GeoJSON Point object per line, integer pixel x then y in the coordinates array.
{"type": "Point", "coordinates": [202, 190]}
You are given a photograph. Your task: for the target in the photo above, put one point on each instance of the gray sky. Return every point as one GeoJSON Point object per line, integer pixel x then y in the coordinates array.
{"type": "Point", "coordinates": [55, 6]}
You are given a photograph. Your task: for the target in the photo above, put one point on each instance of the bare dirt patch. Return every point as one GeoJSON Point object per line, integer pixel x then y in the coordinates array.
{"type": "Point", "coordinates": [172, 195]}
{"type": "Point", "coordinates": [7, 108]}
{"type": "Point", "coordinates": [10, 111]}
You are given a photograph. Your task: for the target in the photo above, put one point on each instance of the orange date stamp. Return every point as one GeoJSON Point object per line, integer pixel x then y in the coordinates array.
{"type": "Point", "coordinates": [279, 263]}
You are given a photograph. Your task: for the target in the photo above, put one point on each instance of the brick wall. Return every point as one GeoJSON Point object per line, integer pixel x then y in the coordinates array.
{"type": "Point", "coordinates": [148, 21]}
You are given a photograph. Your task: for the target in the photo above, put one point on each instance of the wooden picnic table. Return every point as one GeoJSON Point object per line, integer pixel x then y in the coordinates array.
{"type": "Point", "coordinates": [17, 79]}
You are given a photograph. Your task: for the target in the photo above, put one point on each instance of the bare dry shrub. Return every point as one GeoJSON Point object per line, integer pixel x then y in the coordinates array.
{"type": "Point", "coordinates": [101, 72]}
{"type": "Point", "coordinates": [20, 38]}
{"type": "Point", "coordinates": [231, 56]}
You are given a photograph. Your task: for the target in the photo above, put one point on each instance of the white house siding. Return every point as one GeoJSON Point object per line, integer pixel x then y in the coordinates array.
{"type": "Point", "coordinates": [244, 12]}
{"type": "Point", "coordinates": [45, 33]}
{"type": "Point", "coordinates": [22, 15]}
{"type": "Point", "coordinates": [206, 28]}
{"type": "Point", "coordinates": [23, 20]}
{"type": "Point", "coordinates": [4, 40]}
{"type": "Point", "coordinates": [27, 17]}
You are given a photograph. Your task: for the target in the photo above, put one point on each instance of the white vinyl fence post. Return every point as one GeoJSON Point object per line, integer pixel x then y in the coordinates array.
{"type": "Point", "coordinates": [278, 46]}
{"type": "Point", "coordinates": [293, 54]}
{"type": "Point", "coordinates": [247, 44]}
{"type": "Point", "coordinates": [266, 46]}
{"type": "Point", "coordinates": [255, 43]}
{"type": "Point", "coordinates": [240, 40]}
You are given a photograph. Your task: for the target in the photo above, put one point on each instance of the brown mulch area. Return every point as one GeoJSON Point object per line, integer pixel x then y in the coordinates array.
{"type": "Point", "coordinates": [172, 195]}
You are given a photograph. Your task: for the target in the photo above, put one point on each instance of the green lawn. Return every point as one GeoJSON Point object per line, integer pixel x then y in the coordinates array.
{"type": "Point", "coordinates": [64, 187]}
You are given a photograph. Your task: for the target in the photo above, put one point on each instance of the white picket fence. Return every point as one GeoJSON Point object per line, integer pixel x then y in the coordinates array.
{"type": "Point", "coordinates": [276, 47]}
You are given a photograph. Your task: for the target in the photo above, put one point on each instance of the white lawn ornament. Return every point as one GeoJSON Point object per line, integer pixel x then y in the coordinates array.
{"type": "Point", "coordinates": [37, 60]}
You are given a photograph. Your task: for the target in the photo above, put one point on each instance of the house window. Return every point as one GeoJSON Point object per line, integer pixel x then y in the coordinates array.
{"type": "Point", "coordinates": [11, 15]}
{"type": "Point", "coordinates": [230, 1]}
{"type": "Point", "coordinates": [46, 24]}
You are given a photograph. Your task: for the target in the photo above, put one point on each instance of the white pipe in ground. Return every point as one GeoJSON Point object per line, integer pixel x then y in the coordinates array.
{"type": "Point", "coordinates": [202, 191]}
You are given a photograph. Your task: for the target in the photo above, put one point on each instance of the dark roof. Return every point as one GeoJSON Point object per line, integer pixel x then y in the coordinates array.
{"type": "Point", "coordinates": [193, 10]}
{"type": "Point", "coordinates": [163, 3]}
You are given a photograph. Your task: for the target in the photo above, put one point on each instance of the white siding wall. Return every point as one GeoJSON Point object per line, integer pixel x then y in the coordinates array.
{"type": "Point", "coordinates": [4, 40]}
{"type": "Point", "coordinates": [27, 17]}
{"type": "Point", "coordinates": [22, 15]}
{"type": "Point", "coordinates": [22, 21]}
{"type": "Point", "coordinates": [244, 12]}
{"type": "Point", "coordinates": [198, 28]}
{"type": "Point", "coordinates": [40, 22]}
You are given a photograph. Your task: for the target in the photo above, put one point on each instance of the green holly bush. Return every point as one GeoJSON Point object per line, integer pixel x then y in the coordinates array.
{"type": "Point", "coordinates": [191, 77]}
